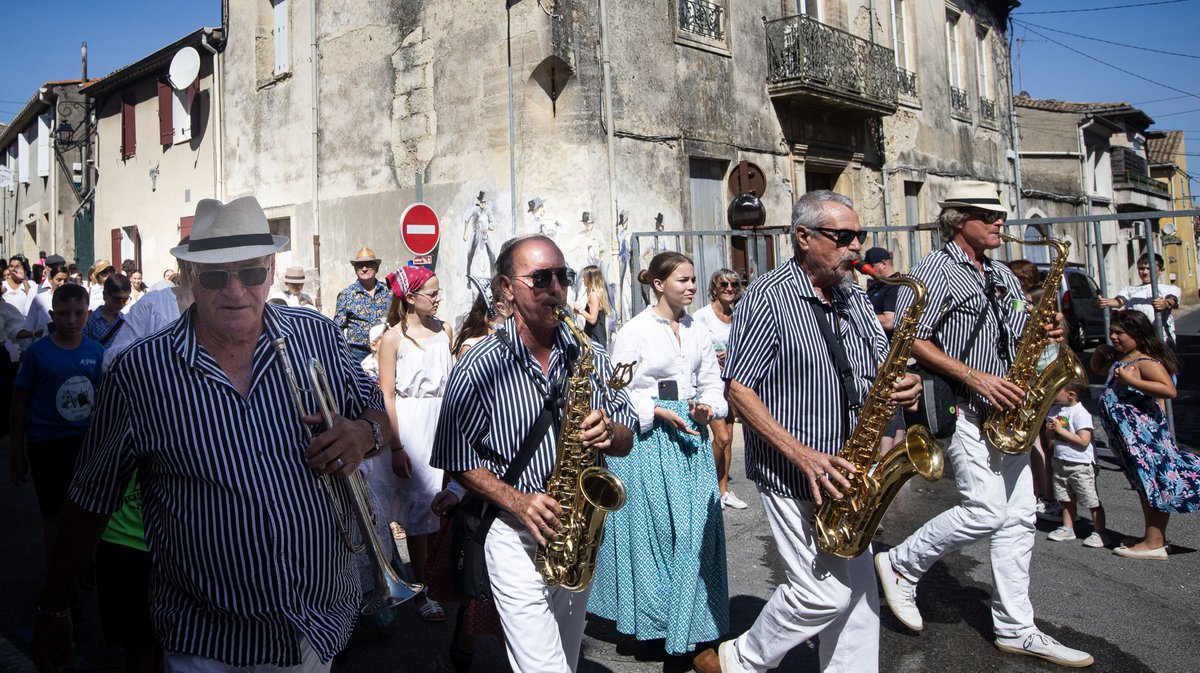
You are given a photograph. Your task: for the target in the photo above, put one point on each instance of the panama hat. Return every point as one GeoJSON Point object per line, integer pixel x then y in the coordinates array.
{"type": "Point", "coordinates": [296, 274]}
{"type": "Point", "coordinates": [365, 255]}
{"type": "Point", "coordinates": [974, 194]}
{"type": "Point", "coordinates": [229, 232]}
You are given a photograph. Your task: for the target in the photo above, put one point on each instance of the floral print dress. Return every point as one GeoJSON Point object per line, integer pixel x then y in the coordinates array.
{"type": "Point", "coordinates": [1141, 439]}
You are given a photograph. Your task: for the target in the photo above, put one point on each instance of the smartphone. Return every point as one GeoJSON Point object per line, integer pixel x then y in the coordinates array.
{"type": "Point", "coordinates": [668, 390]}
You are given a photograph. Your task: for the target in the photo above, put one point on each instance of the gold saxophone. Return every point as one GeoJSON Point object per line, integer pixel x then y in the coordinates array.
{"type": "Point", "coordinates": [585, 491]}
{"type": "Point", "coordinates": [1014, 430]}
{"type": "Point", "coordinates": [846, 526]}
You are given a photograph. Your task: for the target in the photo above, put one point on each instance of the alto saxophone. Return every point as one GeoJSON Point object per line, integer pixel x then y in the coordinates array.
{"type": "Point", "coordinates": [846, 526]}
{"type": "Point", "coordinates": [585, 491]}
{"type": "Point", "coordinates": [1014, 430]}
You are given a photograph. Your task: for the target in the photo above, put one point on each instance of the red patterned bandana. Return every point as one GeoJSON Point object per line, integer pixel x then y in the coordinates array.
{"type": "Point", "coordinates": [408, 279]}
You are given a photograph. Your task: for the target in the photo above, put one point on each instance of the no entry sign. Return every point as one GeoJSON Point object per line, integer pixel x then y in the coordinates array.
{"type": "Point", "coordinates": [419, 229]}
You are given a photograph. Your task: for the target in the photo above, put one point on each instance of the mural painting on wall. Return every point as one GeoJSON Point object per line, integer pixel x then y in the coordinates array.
{"type": "Point", "coordinates": [477, 226]}
{"type": "Point", "coordinates": [622, 274]}
{"type": "Point", "coordinates": [546, 226]}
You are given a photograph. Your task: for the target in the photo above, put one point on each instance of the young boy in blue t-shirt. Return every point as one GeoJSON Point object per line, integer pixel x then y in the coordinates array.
{"type": "Point", "coordinates": [53, 398]}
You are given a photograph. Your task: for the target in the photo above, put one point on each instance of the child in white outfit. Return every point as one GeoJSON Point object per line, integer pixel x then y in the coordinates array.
{"type": "Point", "coordinates": [1069, 427]}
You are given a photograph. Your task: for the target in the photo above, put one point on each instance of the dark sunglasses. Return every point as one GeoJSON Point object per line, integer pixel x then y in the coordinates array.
{"type": "Point", "coordinates": [842, 237]}
{"type": "Point", "coordinates": [988, 216]}
{"type": "Point", "coordinates": [217, 279]}
{"type": "Point", "coordinates": [727, 284]}
{"type": "Point", "coordinates": [541, 277]}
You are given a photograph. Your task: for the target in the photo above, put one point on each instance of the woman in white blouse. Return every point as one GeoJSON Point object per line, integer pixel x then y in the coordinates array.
{"type": "Point", "coordinates": [724, 289]}
{"type": "Point", "coordinates": [661, 568]}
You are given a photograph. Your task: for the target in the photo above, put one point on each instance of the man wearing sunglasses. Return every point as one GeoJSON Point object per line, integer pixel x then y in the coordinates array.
{"type": "Point", "coordinates": [968, 335]}
{"type": "Point", "coordinates": [804, 348]}
{"type": "Point", "coordinates": [248, 566]}
{"type": "Point", "coordinates": [494, 397]}
{"type": "Point", "coordinates": [363, 304]}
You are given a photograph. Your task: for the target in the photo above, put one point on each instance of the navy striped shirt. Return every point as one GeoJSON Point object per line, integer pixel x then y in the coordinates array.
{"type": "Point", "coordinates": [242, 535]}
{"type": "Point", "coordinates": [777, 350]}
{"type": "Point", "coordinates": [491, 402]}
{"type": "Point", "coordinates": [956, 299]}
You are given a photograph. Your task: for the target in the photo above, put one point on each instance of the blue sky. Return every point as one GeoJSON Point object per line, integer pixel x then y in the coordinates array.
{"type": "Point", "coordinates": [1047, 64]}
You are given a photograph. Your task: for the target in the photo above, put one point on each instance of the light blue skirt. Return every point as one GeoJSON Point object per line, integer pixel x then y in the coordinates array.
{"type": "Point", "coordinates": [661, 567]}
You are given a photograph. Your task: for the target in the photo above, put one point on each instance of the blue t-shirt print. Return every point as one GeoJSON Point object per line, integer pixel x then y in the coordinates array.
{"type": "Point", "coordinates": [64, 384]}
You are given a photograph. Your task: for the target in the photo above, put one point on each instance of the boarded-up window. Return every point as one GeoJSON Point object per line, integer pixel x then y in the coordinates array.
{"type": "Point", "coordinates": [279, 33]}
{"type": "Point", "coordinates": [128, 128]}
{"type": "Point", "coordinates": [43, 145]}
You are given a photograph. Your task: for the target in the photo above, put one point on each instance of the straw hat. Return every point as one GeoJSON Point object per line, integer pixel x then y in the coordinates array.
{"type": "Point", "coordinates": [974, 194]}
{"type": "Point", "coordinates": [229, 232]}
{"type": "Point", "coordinates": [364, 255]}
{"type": "Point", "coordinates": [296, 274]}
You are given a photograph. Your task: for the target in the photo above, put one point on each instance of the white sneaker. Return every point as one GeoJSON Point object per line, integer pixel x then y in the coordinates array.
{"type": "Point", "coordinates": [1095, 541]}
{"type": "Point", "coordinates": [1049, 511]}
{"type": "Point", "coordinates": [1061, 534]}
{"type": "Point", "coordinates": [731, 500]}
{"type": "Point", "coordinates": [1038, 644]}
{"type": "Point", "coordinates": [901, 595]}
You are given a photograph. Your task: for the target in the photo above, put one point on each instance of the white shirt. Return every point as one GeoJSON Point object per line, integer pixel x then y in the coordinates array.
{"type": "Point", "coordinates": [20, 297]}
{"type": "Point", "coordinates": [1137, 297]}
{"type": "Point", "coordinates": [155, 310]}
{"type": "Point", "coordinates": [38, 315]}
{"type": "Point", "coordinates": [12, 322]}
{"type": "Point", "coordinates": [691, 362]}
{"type": "Point", "coordinates": [302, 299]}
{"type": "Point", "coordinates": [1075, 418]}
{"type": "Point", "coordinates": [95, 296]}
{"type": "Point", "coordinates": [719, 330]}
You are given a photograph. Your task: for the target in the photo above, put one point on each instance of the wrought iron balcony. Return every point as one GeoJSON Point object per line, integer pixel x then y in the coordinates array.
{"type": "Point", "coordinates": [987, 109]}
{"type": "Point", "coordinates": [702, 18]}
{"type": "Point", "coordinates": [906, 82]}
{"type": "Point", "coordinates": [829, 67]}
{"type": "Point", "coordinates": [960, 102]}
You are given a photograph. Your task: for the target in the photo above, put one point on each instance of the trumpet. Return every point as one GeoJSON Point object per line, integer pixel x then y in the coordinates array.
{"type": "Point", "coordinates": [390, 588]}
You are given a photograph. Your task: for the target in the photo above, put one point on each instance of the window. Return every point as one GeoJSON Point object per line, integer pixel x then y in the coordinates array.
{"type": "Point", "coordinates": [983, 64]}
{"type": "Point", "coordinates": [811, 8]}
{"type": "Point", "coordinates": [128, 127]}
{"type": "Point", "coordinates": [899, 36]}
{"type": "Point", "coordinates": [703, 23]}
{"type": "Point", "coordinates": [279, 35]}
{"type": "Point", "coordinates": [952, 59]}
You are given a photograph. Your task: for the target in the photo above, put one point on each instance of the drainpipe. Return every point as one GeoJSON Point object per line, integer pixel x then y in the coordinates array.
{"type": "Point", "coordinates": [219, 118]}
{"type": "Point", "coordinates": [512, 130]}
{"type": "Point", "coordinates": [883, 169]}
{"type": "Point", "coordinates": [314, 69]}
{"type": "Point", "coordinates": [1015, 130]}
{"type": "Point", "coordinates": [1097, 233]}
{"type": "Point", "coordinates": [606, 68]}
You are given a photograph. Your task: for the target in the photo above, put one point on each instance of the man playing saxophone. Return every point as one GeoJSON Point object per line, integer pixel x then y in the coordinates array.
{"type": "Point", "coordinates": [804, 349]}
{"type": "Point", "coordinates": [969, 335]}
{"type": "Point", "coordinates": [493, 398]}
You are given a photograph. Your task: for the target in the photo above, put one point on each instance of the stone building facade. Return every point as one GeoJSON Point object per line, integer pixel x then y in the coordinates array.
{"type": "Point", "coordinates": [336, 114]}
{"type": "Point", "coordinates": [1166, 152]}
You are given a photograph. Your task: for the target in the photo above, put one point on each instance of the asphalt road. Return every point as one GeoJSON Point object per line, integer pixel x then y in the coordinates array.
{"type": "Point", "coordinates": [1133, 616]}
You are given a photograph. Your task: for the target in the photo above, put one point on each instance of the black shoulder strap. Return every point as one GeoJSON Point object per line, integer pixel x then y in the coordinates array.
{"type": "Point", "coordinates": [840, 361]}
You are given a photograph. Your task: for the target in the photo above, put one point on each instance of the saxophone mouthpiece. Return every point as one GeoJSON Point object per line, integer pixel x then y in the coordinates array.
{"type": "Point", "coordinates": [863, 267]}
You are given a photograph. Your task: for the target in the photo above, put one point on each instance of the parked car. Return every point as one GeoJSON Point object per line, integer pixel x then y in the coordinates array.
{"type": "Point", "coordinates": [1083, 319]}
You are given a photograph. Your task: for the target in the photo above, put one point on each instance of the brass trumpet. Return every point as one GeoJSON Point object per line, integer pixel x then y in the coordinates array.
{"type": "Point", "coordinates": [390, 589]}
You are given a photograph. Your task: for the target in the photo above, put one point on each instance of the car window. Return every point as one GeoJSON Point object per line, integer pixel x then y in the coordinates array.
{"type": "Point", "coordinates": [1080, 286]}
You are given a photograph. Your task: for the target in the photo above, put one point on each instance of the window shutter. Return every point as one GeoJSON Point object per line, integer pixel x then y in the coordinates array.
{"type": "Point", "coordinates": [116, 248]}
{"type": "Point", "coordinates": [43, 145]}
{"type": "Point", "coordinates": [136, 237]}
{"type": "Point", "coordinates": [185, 227]}
{"type": "Point", "coordinates": [23, 162]}
{"type": "Point", "coordinates": [280, 31]}
{"type": "Point", "coordinates": [166, 116]}
{"type": "Point", "coordinates": [128, 128]}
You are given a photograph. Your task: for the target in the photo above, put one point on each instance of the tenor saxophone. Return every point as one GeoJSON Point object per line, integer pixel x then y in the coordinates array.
{"type": "Point", "coordinates": [585, 491]}
{"type": "Point", "coordinates": [1013, 431]}
{"type": "Point", "coordinates": [846, 526]}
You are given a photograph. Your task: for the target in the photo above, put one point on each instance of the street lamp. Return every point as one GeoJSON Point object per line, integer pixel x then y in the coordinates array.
{"type": "Point", "coordinates": [68, 137]}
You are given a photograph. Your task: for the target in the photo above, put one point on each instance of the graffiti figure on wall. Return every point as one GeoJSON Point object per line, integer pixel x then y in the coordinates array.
{"type": "Point", "coordinates": [476, 226]}
{"type": "Point", "coordinates": [546, 226]}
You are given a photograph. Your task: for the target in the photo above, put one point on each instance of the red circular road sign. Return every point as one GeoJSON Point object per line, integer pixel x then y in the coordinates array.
{"type": "Point", "coordinates": [419, 229]}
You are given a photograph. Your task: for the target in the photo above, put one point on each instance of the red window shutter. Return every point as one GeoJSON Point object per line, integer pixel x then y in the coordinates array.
{"type": "Point", "coordinates": [185, 227]}
{"type": "Point", "coordinates": [116, 248]}
{"type": "Point", "coordinates": [128, 128]}
{"type": "Point", "coordinates": [137, 246]}
{"type": "Point", "coordinates": [166, 128]}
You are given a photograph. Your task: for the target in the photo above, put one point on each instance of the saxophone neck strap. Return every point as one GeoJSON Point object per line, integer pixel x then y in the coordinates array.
{"type": "Point", "coordinates": [841, 361]}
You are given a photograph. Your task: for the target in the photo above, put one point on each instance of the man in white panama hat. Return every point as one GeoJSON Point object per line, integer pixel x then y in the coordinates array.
{"type": "Point", "coordinates": [969, 335]}
{"type": "Point", "coordinates": [292, 293]}
{"type": "Point", "coordinates": [248, 567]}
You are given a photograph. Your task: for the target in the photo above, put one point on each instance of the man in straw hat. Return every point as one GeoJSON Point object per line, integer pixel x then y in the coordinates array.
{"type": "Point", "coordinates": [249, 568]}
{"type": "Point", "coordinates": [363, 304]}
{"type": "Point", "coordinates": [969, 335]}
{"type": "Point", "coordinates": [476, 226]}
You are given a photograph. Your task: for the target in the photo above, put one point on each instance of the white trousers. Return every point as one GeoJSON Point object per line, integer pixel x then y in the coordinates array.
{"type": "Point", "coordinates": [997, 504]}
{"type": "Point", "coordinates": [836, 598]}
{"type": "Point", "coordinates": [543, 627]}
{"type": "Point", "coordinates": [173, 662]}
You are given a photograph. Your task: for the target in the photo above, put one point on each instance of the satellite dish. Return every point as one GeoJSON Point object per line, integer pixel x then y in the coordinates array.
{"type": "Point", "coordinates": [185, 66]}
{"type": "Point", "coordinates": [1169, 229]}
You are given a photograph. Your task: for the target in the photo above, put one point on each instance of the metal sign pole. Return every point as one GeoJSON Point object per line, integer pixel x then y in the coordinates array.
{"type": "Point", "coordinates": [1160, 321]}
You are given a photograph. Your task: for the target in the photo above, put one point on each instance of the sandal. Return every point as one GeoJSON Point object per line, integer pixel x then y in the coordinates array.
{"type": "Point", "coordinates": [431, 611]}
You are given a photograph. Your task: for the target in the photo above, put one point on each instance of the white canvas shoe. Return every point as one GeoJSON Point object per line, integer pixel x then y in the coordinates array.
{"type": "Point", "coordinates": [1038, 644]}
{"type": "Point", "coordinates": [900, 594]}
{"type": "Point", "coordinates": [731, 500]}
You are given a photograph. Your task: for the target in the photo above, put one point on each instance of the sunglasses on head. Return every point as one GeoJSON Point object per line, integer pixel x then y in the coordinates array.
{"type": "Point", "coordinates": [541, 278]}
{"type": "Point", "coordinates": [842, 237]}
{"type": "Point", "coordinates": [217, 279]}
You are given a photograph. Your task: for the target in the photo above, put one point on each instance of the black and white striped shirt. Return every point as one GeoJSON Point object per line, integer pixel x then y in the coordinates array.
{"type": "Point", "coordinates": [243, 538]}
{"type": "Point", "coordinates": [491, 402]}
{"type": "Point", "coordinates": [776, 349]}
{"type": "Point", "coordinates": [956, 298]}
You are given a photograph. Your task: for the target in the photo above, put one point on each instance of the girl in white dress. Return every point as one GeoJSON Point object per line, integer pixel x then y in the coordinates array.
{"type": "Point", "coordinates": [414, 363]}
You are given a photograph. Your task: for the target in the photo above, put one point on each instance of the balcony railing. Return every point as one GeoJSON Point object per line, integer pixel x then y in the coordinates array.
{"type": "Point", "coordinates": [960, 102]}
{"type": "Point", "coordinates": [987, 109]}
{"type": "Point", "coordinates": [1131, 168]}
{"type": "Point", "coordinates": [702, 18]}
{"type": "Point", "coordinates": [810, 59]}
{"type": "Point", "coordinates": [906, 82]}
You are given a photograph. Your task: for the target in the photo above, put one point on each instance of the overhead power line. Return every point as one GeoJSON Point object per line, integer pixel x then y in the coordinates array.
{"type": "Point", "coordinates": [1102, 9]}
{"type": "Point", "coordinates": [1098, 39]}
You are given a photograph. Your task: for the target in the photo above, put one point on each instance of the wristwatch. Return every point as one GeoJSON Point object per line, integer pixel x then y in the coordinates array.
{"type": "Point", "coordinates": [378, 434]}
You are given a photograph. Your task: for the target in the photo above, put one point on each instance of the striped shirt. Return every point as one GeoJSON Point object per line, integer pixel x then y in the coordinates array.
{"type": "Point", "coordinates": [776, 349]}
{"type": "Point", "coordinates": [955, 300]}
{"type": "Point", "coordinates": [242, 535]}
{"type": "Point", "coordinates": [491, 402]}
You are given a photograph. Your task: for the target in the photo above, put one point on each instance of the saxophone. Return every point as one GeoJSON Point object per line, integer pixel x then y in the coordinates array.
{"type": "Point", "coordinates": [846, 526]}
{"type": "Point", "coordinates": [585, 491]}
{"type": "Point", "coordinates": [1013, 431]}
